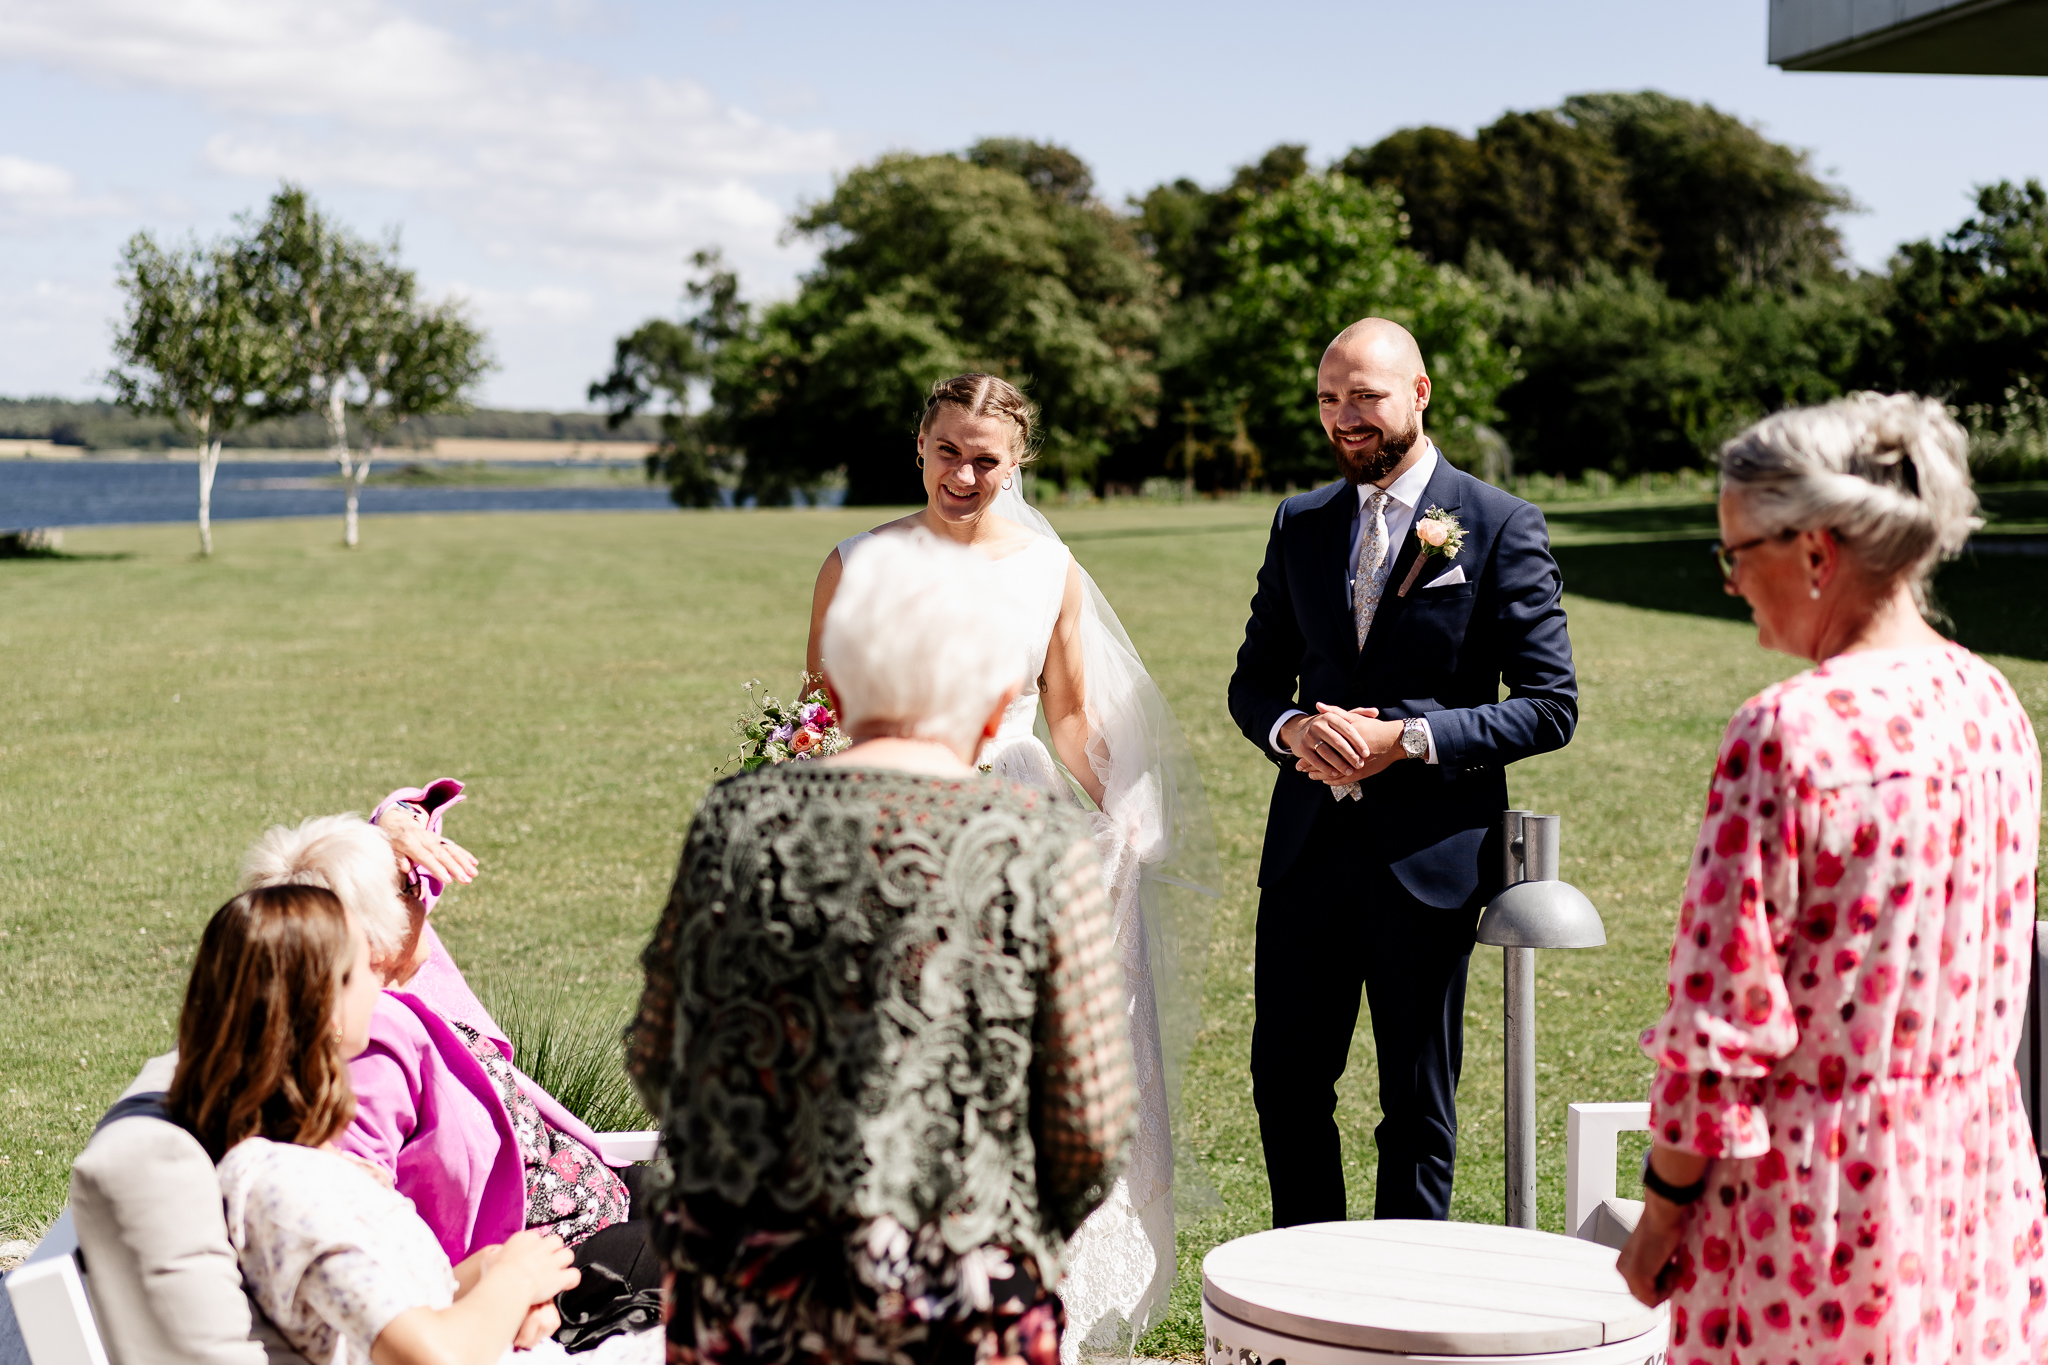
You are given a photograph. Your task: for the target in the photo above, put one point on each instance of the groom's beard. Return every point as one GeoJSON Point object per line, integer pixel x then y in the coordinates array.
{"type": "Point", "coordinates": [1381, 462]}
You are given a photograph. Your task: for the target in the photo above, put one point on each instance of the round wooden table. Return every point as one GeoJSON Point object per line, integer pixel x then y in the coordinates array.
{"type": "Point", "coordinates": [1349, 1293]}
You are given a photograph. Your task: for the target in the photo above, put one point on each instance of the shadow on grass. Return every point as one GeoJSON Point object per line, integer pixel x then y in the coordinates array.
{"type": "Point", "coordinates": [1697, 517]}
{"type": "Point", "coordinates": [1998, 602]}
{"type": "Point", "coordinates": [59, 556]}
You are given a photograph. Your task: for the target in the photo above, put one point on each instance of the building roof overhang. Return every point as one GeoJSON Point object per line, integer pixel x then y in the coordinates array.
{"type": "Point", "coordinates": [1933, 37]}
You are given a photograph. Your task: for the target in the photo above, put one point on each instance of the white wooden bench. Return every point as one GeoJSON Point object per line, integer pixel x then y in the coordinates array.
{"type": "Point", "coordinates": [1592, 1212]}
{"type": "Point", "coordinates": [51, 1306]}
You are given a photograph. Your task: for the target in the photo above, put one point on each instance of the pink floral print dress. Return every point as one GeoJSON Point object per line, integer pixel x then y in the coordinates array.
{"type": "Point", "coordinates": [1847, 990]}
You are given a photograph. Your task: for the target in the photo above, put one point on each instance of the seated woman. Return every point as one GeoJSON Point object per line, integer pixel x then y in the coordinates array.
{"type": "Point", "coordinates": [479, 1148]}
{"type": "Point", "coordinates": [884, 1021]}
{"type": "Point", "coordinates": [281, 993]}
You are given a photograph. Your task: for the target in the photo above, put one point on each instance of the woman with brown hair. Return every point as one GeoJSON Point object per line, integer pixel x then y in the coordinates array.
{"type": "Point", "coordinates": [280, 998]}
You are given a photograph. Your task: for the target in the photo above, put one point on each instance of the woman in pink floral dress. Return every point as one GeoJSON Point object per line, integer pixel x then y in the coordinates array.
{"type": "Point", "coordinates": [1841, 1171]}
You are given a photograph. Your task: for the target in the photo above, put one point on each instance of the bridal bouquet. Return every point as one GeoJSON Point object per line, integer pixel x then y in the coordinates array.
{"type": "Point", "coordinates": [770, 732]}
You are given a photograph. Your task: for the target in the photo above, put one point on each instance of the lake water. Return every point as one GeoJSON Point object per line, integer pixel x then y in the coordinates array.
{"type": "Point", "coordinates": [99, 492]}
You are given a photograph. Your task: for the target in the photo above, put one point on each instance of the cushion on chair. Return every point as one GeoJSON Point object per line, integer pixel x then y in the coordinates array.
{"type": "Point", "coordinates": [164, 1283]}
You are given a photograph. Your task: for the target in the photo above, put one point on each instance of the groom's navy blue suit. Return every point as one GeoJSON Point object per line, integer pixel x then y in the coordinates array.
{"type": "Point", "coordinates": [1383, 892]}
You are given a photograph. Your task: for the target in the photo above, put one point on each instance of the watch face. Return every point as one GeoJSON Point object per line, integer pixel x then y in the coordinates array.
{"type": "Point", "coordinates": [1413, 741]}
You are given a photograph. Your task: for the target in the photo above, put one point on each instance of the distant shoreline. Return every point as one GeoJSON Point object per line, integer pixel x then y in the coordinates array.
{"type": "Point", "coordinates": [445, 450]}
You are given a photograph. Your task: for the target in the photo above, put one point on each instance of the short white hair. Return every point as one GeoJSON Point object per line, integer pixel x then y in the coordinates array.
{"type": "Point", "coordinates": [345, 854]}
{"type": "Point", "coordinates": [922, 634]}
{"type": "Point", "coordinates": [1889, 474]}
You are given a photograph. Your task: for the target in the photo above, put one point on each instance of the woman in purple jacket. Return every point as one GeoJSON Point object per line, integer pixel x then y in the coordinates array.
{"type": "Point", "coordinates": [481, 1150]}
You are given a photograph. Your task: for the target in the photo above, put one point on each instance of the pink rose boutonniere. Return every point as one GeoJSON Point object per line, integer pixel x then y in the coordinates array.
{"type": "Point", "coordinates": [1440, 534]}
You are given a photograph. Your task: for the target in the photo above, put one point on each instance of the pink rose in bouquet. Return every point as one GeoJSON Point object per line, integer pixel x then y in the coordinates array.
{"type": "Point", "coordinates": [771, 732]}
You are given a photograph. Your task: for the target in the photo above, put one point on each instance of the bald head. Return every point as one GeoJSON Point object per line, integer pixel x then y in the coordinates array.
{"type": "Point", "coordinates": [1371, 390]}
{"type": "Point", "coordinates": [1389, 344]}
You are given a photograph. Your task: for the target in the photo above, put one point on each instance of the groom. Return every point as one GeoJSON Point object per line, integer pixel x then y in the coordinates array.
{"type": "Point", "coordinates": [1374, 684]}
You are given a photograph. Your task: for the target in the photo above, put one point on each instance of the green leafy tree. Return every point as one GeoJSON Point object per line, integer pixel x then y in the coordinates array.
{"type": "Point", "coordinates": [1699, 197]}
{"type": "Point", "coordinates": [1725, 206]}
{"type": "Point", "coordinates": [1618, 375]}
{"type": "Point", "coordinates": [1306, 262]}
{"type": "Point", "coordinates": [188, 349]}
{"type": "Point", "coordinates": [661, 365]}
{"type": "Point", "coordinates": [423, 362]}
{"type": "Point", "coordinates": [1436, 172]}
{"type": "Point", "coordinates": [1051, 171]}
{"type": "Point", "coordinates": [1553, 198]}
{"type": "Point", "coordinates": [933, 265]}
{"type": "Point", "coordinates": [326, 295]}
{"type": "Point", "coordinates": [1185, 227]}
{"type": "Point", "coordinates": [1968, 315]}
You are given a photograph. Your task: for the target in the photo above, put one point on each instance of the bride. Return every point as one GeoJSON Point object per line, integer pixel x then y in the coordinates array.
{"type": "Point", "coordinates": [1087, 693]}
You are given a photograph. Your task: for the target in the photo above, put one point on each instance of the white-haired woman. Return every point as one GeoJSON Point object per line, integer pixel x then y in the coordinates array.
{"type": "Point", "coordinates": [481, 1149]}
{"type": "Point", "coordinates": [1108, 728]}
{"type": "Point", "coordinates": [883, 1021]}
{"type": "Point", "coordinates": [1841, 1168]}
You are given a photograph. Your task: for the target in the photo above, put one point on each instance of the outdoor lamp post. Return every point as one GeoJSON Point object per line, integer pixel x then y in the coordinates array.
{"type": "Point", "coordinates": [1534, 910]}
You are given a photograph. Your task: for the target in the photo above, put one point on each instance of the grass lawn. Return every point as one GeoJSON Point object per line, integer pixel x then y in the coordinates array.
{"type": "Point", "coordinates": [582, 671]}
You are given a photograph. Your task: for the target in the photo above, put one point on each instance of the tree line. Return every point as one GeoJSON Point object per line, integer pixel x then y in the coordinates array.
{"type": "Point", "coordinates": [291, 314]}
{"type": "Point", "coordinates": [1617, 284]}
{"type": "Point", "coordinates": [99, 424]}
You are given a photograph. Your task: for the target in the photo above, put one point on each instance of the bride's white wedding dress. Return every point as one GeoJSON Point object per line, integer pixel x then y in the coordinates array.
{"type": "Point", "coordinates": [1121, 1263]}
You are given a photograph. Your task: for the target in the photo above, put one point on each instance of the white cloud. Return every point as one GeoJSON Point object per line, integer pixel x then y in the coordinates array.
{"type": "Point", "coordinates": [35, 194]}
{"type": "Point", "coordinates": [21, 178]}
{"type": "Point", "coordinates": [531, 155]}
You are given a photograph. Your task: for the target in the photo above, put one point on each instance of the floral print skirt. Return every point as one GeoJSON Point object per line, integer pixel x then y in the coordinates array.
{"type": "Point", "coordinates": [791, 1297]}
{"type": "Point", "coordinates": [1899, 1226]}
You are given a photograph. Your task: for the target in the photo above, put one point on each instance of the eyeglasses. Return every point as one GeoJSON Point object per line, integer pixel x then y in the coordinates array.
{"type": "Point", "coordinates": [1724, 555]}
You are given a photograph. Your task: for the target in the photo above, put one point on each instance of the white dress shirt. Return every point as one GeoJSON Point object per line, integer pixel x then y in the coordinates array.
{"type": "Point", "coordinates": [1403, 498]}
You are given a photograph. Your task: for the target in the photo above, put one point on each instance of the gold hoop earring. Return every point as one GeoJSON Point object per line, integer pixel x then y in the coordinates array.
{"type": "Point", "coordinates": [920, 462]}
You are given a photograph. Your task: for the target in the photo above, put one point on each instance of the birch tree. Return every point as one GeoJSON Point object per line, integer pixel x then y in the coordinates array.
{"type": "Point", "coordinates": [187, 348]}
{"type": "Point", "coordinates": [424, 361]}
{"type": "Point", "coordinates": [328, 296]}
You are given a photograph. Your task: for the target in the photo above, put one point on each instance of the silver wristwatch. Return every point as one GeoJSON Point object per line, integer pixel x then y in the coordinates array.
{"type": "Point", "coordinates": [1415, 737]}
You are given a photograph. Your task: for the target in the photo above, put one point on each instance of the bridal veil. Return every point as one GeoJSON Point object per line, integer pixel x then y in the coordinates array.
{"type": "Point", "coordinates": [1159, 859]}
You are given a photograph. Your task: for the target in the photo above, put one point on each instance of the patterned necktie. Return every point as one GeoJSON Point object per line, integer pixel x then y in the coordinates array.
{"type": "Point", "coordinates": [1371, 578]}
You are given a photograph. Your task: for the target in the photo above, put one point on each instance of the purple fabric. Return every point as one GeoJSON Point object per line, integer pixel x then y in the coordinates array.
{"type": "Point", "coordinates": [427, 1112]}
{"type": "Point", "coordinates": [435, 798]}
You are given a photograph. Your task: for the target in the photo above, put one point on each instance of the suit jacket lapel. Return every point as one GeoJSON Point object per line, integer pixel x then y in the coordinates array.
{"type": "Point", "coordinates": [1441, 491]}
{"type": "Point", "coordinates": [1331, 569]}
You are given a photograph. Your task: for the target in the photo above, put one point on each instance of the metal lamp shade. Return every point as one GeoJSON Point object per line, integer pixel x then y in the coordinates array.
{"type": "Point", "coordinates": [1545, 914]}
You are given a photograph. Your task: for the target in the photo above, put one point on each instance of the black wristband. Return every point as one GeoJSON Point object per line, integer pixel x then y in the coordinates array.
{"type": "Point", "coordinates": [1664, 1189]}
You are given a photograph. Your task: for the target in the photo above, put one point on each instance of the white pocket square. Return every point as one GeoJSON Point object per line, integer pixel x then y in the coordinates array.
{"type": "Point", "coordinates": [1454, 577]}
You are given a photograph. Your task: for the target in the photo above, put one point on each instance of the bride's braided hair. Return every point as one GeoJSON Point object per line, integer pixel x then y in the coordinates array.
{"type": "Point", "coordinates": [987, 395]}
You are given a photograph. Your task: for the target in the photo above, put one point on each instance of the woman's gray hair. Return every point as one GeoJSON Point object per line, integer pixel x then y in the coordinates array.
{"type": "Point", "coordinates": [922, 634]}
{"type": "Point", "coordinates": [345, 854]}
{"type": "Point", "coordinates": [1889, 474]}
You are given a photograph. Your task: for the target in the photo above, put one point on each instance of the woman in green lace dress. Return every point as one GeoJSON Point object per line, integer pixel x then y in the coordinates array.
{"type": "Point", "coordinates": [883, 1024]}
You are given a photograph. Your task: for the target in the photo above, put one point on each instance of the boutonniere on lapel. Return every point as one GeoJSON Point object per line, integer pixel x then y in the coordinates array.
{"type": "Point", "coordinates": [1440, 534]}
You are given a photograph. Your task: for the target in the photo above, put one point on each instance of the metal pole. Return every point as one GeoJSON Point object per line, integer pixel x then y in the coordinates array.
{"type": "Point", "coordinates": [1519, 969]}
{"type": "Point", "coordinates": [1523, 836]}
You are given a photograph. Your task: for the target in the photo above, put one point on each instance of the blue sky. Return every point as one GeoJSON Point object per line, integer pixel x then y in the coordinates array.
{"type": "Point", "coordinates": [554, 161]}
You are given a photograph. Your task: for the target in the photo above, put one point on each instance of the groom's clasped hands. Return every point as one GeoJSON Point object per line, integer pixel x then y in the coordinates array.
{"type": "Point", "coordinates": [1336, 746]}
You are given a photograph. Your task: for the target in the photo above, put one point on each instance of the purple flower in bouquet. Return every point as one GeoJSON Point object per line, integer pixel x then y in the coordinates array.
{"type": "Point", "coordinates": [781, 733]}
{"type": "Point", "coordinates": [815, 715]}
